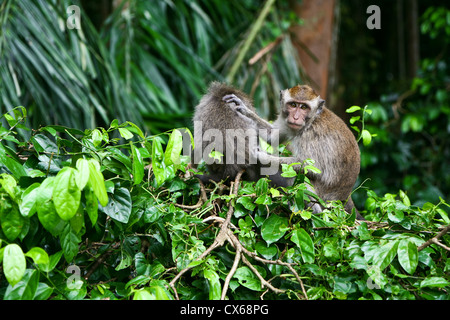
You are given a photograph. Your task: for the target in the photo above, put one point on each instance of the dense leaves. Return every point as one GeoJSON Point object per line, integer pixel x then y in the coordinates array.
{"type": "Point", "coordinates": [93, 216]}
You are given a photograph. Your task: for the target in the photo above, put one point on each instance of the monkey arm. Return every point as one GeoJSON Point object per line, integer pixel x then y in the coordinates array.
{"type": "Point", "coordinates": [266, 158]}
{"type": "Point", "coordinates": [266, 129]}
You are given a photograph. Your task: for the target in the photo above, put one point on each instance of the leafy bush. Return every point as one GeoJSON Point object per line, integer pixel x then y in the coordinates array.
{"type": "Point", "coordinates": [111, 214]}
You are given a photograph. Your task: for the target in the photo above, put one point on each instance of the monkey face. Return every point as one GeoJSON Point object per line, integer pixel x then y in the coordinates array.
{"type": "Point", "coordinates": [299, 106]}
{"type": "Point", "coordinates": [297, 114]}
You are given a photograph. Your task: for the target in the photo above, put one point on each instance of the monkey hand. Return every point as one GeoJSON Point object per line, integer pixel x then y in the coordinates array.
{"type": "Point", "coordinates": [235, 103]}
{"type": "Point", "coordinates": [261, 156]}
{"type": "Point", "coordinates": [232, 98]}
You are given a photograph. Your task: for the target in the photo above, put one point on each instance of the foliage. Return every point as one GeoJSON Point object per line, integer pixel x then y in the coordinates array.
{"type": "Point", "coordinates": [110, 213]}
{"type": "Point", "coordinates": [149, 63]}
{"type": "Point", "coordinates": [63, 75]}
{"type": "Point", "coordinates": [412, 128]}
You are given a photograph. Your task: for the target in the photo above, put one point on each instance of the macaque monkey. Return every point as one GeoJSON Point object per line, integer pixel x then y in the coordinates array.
{"type": "Point", "coordinates": [314, 132]}
{"type": "Point", "coordinates": [219, 128]}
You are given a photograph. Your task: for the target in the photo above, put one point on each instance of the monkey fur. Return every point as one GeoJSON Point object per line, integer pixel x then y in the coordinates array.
{"type": "Point", "coordinates": [314, 132]}
{"type": "Point", "coordinates": [218, 127]}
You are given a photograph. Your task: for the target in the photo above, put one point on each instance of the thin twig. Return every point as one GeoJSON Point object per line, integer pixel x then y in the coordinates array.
{"type": "Point", "coordinates": [201, 200]}
{"type": "Point", "coordinates": [435, 240]}
{"type": "Point", "coordinates": [264, 283]}
{"type": "Point", "coordinates": [230, 275]}
{"type": "Point", "coordinates": [225, 234]}
{"type": "Point", "coordinates": [218, 241]}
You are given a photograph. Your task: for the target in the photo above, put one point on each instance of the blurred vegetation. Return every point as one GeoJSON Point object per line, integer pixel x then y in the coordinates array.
{"type": "Point", "coordinates": [149, 63]}
{"type": "Point", "coordinates": [412, 122]}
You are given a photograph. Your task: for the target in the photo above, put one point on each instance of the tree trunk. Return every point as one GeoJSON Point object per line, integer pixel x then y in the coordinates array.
{"type": "Point", "coordinates": [314, 41]}
{"type": "Point", "coordinates": [413, 38]}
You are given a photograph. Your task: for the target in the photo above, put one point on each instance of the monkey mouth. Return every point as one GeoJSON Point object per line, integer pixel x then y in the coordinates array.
{"type": "Point", "coordinates": [294, 125]}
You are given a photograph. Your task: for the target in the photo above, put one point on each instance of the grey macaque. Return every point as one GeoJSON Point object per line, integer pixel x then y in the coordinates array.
{"type": "Point", "coordinates": [219, 128]}
{"type": "Point", "coordinates": [314, 132]}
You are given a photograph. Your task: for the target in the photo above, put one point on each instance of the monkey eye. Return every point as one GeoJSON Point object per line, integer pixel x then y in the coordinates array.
{"type": "Point", "coordinates": [293, 104]}
{"type": "Point", "coordinates": [304, 106]}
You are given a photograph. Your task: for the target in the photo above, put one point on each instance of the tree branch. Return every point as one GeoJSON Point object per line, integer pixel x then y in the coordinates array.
{"type": "Point", "coordinates": [435, 240]}
{"type": "Point", "coordinates": [226, 234]}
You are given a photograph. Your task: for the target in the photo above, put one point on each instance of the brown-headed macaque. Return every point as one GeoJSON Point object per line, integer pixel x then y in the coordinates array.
{"type": "Point", "coordinates": [217, 127]}
{"type": "Point", "coordinates": [314, 132]}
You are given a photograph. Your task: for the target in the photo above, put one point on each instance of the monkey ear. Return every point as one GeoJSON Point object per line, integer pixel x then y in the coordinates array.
{"type": "Point", "coordinates": [321, 103]}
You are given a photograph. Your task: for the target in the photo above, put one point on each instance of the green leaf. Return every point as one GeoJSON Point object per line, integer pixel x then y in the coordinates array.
{"type": "Point", "coordinates": [38, 255]}
{"type": "Point", "coordinates": [331, 249]}
{"type": "Point", "coordinates": [66, 194]}
{"type": "Point", "coordinates": [408, 255]}
{"type": "Point", "coordinates": [125, 261]}
{"type": "Point", "coordinates": [77, 221]}
{"type": "Point", "coordinates": [274, 228]}
{"type": "Point", "coordinates": [353, 109]}
{"type": "Point", "coordinates": [119, 205]}
{"type": "Point", "coordinates": [143, 268]}
{"type": "Point", "coordinates": [274, 192]}
{"type": "Point", "coordinates": [404, 198]}
{"type": "Point", "coordinates": [82, 174]}
{"type": "Point", "coordinates": [96, 137]}
{"type": "Point", "coordinates": [366, 136]}
{"type": "Point", "coordinates": [140, 280]}
{"type": "Point", "coordinates": [215, 290]}
{"type": "Point", "coordinates": [138, 165]}
{"type": "Point", "coordinates": [396, 216]}
{"type": "Point", "coordinates": [247, 203]}
{"type": "Point", "coordinates": [120, 156]}
{"type": "Point", "coordinates": [43, 291]}
{"type": "Point", "coordinates": [43, 144]}
{"type": "Point", "coordinates": [11, 220]}
{"type": "Point", "coordinates": [14, 263]}
{"type": "Point", "coordinates": [312, 169]}
{"type": "Point", "coordinates": [9, 184]}
{"type": "Point", "coordinates": [97, 182]}
{"type": "Point", "coordinates": [247, 278]}
{"type": "Point", "coordinates": [304, 242]}
{"type": "Point", "coordinates": [125, 133]}
{"type": "Point", "coordinates": [28, 204]}
{"type": "Point", "coordinates": [263, 199]}
{"type": "Point", "coordinates": [143, 294]}
{"type": "Point", "coordinates": [134, 128]}
{"type": "Point", "coordinates": [152, 211]}
{"type": "Point", "coordinates": [261, 187]}
{"type": "Point", "coordinates": [268, 252]}
{"type": "Point", "coordinates": [377, 278]}
{"type": "Point", "coordinates": [26, 288]}
{"type": "Point", "coordinates": [14, 166]}
{"type": "Point", "coordinates": [158, 288]}
{"type": "Point", "coordinates": [354, 119]}
{"type": "Point", "coordinates": [45, 207]}
{"type": "Point", "coordinates": [157, 161]}
{"type": "Point", "coordinates": [53, 261]}
{"type": "Point", "coordinates": [91, 204]}
{"type": "Point", "coordinates": [434, 282]}
{"type": "Point", "coordinates": [69, 243]}
{"type": "Point", "coordinates": [174, 148]}
{"type": "Point", "coordinates": [385, 254]}
{"type": "Point", "coordinates": [288, 171]}
{"type": "Point", "coordinates": [216, 155]}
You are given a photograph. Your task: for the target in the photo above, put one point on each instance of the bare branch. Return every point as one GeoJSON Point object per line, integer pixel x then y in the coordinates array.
{"type": "Point", "coordinates": [435, 240]}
